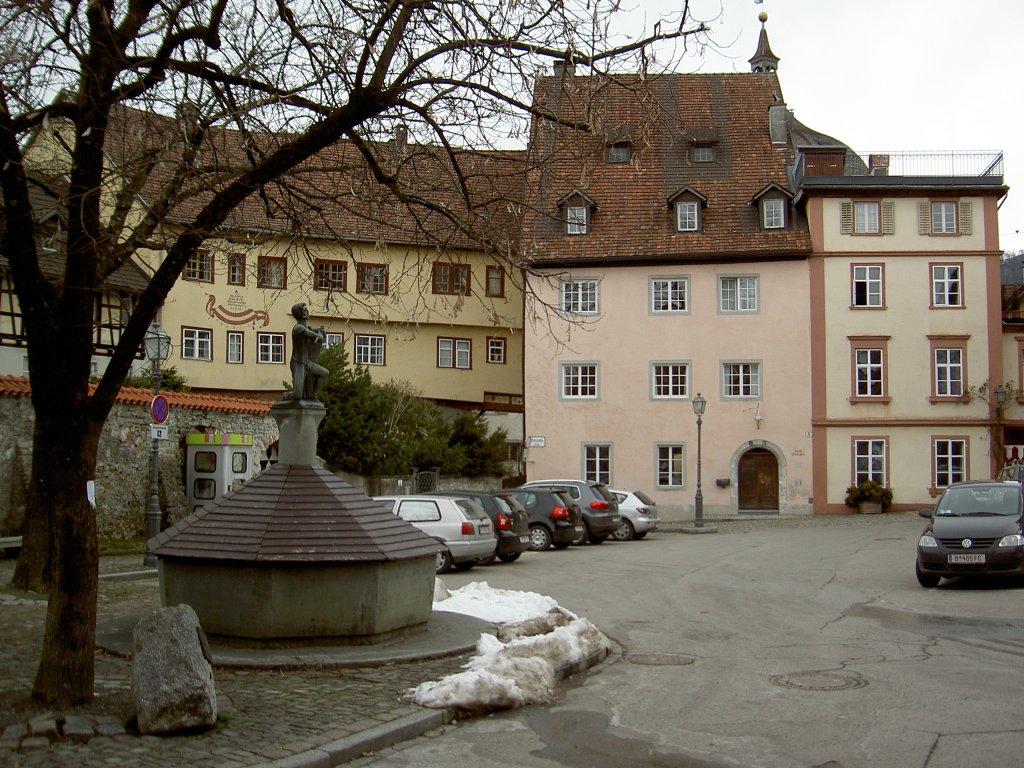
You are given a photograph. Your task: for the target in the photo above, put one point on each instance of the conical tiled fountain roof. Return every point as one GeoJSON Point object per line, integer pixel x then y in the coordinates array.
{"type": "Point", "coordinates": [294, 513]}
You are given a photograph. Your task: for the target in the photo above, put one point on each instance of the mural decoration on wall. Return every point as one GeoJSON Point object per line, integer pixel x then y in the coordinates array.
{"type": "Point", "coordinates": [239, 314]}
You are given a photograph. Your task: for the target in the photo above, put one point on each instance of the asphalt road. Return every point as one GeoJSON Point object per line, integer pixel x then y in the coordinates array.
{"type": "Point", "coordinates": [805, 644]}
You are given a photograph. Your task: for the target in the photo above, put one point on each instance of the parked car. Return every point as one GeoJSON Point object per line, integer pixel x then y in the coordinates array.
{"type": "Point", "coordinates": [639, 514]}
{"type": "Point", "coordinates": [460, 524]}
{"type": "Point", "coordinates": [598, 504]}
{"type": "Point", "coordinates": [555, 519]}
{"type": "Point", "coordinates": [511, 524]}
{"type": "Point", "coordinates": [973, 530]}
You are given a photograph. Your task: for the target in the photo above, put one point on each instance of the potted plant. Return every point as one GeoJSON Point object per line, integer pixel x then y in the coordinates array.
{"type": "Point", "coordinates": [868, 496]}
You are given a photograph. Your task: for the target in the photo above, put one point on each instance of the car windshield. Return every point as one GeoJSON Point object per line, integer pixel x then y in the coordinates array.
{"type": "Point", "coordinates": [980, 500]}
{"type": "Point", "coordinates": [644, 498]}
{"type": "Point", "coordinates": [603, 492]}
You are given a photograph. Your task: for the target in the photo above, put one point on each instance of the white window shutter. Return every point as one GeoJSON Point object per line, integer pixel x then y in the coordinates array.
{"type": "Point", "coordinates": [965, 217]}
{"type": "Point", "coordinates": [845, 218]}
{"type": "Point", "coordinates": [924, 219]}
{"type": "Point", "coordinates": [888, 218]}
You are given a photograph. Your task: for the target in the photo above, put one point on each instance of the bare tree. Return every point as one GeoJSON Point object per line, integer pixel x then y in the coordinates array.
{"type": "Point", "coordinates": [152, 124]}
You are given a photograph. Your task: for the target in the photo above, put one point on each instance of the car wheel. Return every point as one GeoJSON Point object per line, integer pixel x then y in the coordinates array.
{"type": "Point", "coordinates": [624, 532]}
{"type": "Point", "coordinates": [489, 560]}
{"type": "Point", "coordinates": [444, 561]}
{"type": "Point", "coordinates": [509, 557]}
{"type": "Point", "coordinates": [540, 538]}
{"type": "Point", "coordinates": [926, 580]}
{"type": "Point", "coordinates": [580, 540]}
{"type": "Point", "coordinates": [638, 536]}
{"type": "Point", "coordinates": [465, 565]}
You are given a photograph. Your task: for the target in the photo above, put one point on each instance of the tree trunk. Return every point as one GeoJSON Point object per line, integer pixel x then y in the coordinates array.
{"type": "Point", "coordinates": [64, 459]}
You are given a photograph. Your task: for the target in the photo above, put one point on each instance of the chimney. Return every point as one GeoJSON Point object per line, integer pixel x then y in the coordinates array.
{"type": "Point", "coordinates": [401, 141]}
{"type": "Point", "coordinates": [564, 68]}
{"type": "Point", "coordinates": [878, 165]}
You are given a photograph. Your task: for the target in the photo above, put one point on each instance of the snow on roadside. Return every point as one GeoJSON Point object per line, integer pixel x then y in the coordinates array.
{"type": "Point", "coordinates": [536, 640]}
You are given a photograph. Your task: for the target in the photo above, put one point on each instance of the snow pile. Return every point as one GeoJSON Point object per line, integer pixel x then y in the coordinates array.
{"type": "Point", "coordinates": [537, 640]}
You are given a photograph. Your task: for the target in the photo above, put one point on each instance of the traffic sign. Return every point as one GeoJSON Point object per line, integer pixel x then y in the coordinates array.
{"type": "Point", "coordinates": [160, 409]}
{"type": "Point", "coordinates": [158, 432]}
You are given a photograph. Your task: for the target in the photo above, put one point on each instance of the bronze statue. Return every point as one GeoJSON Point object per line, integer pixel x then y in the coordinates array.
{"type": "Point", "coordinates": [307, 375]}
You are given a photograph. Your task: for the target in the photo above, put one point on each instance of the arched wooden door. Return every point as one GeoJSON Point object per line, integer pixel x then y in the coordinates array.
{"type": "Point", "coordinates": [759, 481]}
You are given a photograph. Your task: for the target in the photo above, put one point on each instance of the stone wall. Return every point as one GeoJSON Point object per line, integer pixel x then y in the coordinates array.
{"type": "Point", "coordinates": [123, 462]}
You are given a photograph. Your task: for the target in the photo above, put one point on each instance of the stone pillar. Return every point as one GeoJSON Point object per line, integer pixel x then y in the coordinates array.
{"type": "Point", "coordinates": [297, 421]}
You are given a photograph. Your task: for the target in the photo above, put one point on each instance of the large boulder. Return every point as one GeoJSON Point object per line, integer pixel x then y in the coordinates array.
{"type": "Point", "coordinates": [172, 677]}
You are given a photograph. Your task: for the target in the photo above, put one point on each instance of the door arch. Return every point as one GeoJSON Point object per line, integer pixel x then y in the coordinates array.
{"type": "Point", "coordinates": [758, 480]}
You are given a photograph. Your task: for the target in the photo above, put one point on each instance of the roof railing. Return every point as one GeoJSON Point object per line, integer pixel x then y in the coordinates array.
{"type": "Point", "coordinates": [935, 163]}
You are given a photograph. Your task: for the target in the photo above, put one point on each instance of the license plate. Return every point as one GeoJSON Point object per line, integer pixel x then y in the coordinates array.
{"type": "Point", "coordinates": [485, 528]}
{"type": "Point", "coordinates": [524, 539]}
{"type": "Point", "coordinates": [967, 558]}
{"type": "Point", "coordinates": [579, 529]}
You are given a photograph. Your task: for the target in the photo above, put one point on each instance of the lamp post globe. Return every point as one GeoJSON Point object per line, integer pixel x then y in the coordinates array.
{"type": "Point", "coordinates": [158, 347]}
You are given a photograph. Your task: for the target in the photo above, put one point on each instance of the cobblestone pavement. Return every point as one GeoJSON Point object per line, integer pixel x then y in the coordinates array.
{"type": "Point", "coordinates": [294, 716]}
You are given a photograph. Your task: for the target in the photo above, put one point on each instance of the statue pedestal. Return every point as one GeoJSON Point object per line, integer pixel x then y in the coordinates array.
{"type": "Point", "coordinates": [297, 421]}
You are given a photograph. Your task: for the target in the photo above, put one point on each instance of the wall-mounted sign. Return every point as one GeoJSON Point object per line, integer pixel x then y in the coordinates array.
{"type": "Point", "coordinates": [535, 442]}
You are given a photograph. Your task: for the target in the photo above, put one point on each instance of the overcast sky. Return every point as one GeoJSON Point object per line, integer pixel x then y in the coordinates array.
{"type": "Point", "coordinates": [888, 75]}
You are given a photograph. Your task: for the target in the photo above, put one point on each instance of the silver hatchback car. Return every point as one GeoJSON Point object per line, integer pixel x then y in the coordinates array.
{"type": "Point", "coordinates": [460, 524]}
{"type": "Point", "coordinates": [639, 514]}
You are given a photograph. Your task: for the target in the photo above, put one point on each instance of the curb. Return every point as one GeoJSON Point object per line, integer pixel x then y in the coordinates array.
{"type": "Point", "coordinates": [370, 740]}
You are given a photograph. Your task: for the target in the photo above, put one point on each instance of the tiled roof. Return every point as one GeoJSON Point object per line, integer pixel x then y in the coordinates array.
{"type": "Point", "coordinates": [665, 115]}
{"type": "Point", "coordinates": [19, 386]}
{"type": "Point", "coordinates": [294, 513]}
{"type": "Point", "coordinates": [334, 195]}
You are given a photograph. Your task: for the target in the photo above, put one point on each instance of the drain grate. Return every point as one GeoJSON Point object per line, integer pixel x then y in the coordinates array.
{"type": "Point", "coordinates": [659, 659]}
{"type": "Point", "coordinates": [820, 681]}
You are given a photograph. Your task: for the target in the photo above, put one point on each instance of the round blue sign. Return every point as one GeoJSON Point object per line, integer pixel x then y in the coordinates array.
{"type": "Point", "coordinates": [160, 409]}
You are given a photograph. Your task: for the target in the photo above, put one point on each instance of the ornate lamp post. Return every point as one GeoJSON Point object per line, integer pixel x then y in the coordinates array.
{"type": "Point", "coordinates": [158, 348]}
{"type": "Point", "coordinates": [699, 403]}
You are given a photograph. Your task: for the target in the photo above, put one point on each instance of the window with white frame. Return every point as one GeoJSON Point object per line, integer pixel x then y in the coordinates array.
{"type": "Point", "coordinates": [741, 379]}
{"type": "Point", "coordinates": [619, 152]}
{"type": "Point", "coordinates": [270, 348]}
{"type": "Point", "coordinates": [369, 349]}
{"type": "Point", "coordinates": [737, 294]}
{"type": "Point", "coordinates": [196, 344]}
{"type": "Point", "coordinates": [949, 460]}
{"type": "Point", "coordinates": [577, 219]}
{"type": "Point", "coordinates": [944, 218]}
{"type": "Point", "coordinates": [670, 466]}
{"type": "Point", "coordinates": [867, 285]}
{"type": "Point", "coordinates": [580, 296]}
{"type": "Point", "coordinates": [334, 340]}
{"type": "Point", "coordinates": [453, 353]}
{"type": "Point", "coordinates": [773, 211]}
{"type": "Point", "coordinates": [236, 269]}
{"type": "Point", "coordinates": [946, 286]}
{"type": "Point", "coordinates": [949, 371]}
{"type": "Point", "coordinates": [199, 267]}
{"type": "Point", "coordinates": [687, 216]}
{"type": "Point", "coordinates": [869, 372]}
{"type": "Point", "coordinates": [236, 347]}
{"type": "Point", "coordinates": [703, 153]}
{"type": "Point", "coordinates": [496, 349]}
{"type": "Point", "coordinates": [869, 460]}
{"type": "Point", "coordinates": [865, 218]}
{"type": "Point", "coordinates": [670, 380]}
{"type": "Point", "coordinates": [597, 463]}
{"type": "Point", "coordinates": [669, 294]}
{"type": "Point", "coordinates": [579, 381]}
{"type": "Point", "coordinates": [371, 278]}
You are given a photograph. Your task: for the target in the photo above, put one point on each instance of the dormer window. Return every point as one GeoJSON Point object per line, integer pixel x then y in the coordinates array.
{"type": "Point", "coordinates": [703, 153]}
{"type": "Point", "coordinates": [576, 219]}
{"type": "Point", "coordinates": [619, 152]}
{"type": "Point", "coordinates": [687, 204]}
{"type": "Point", "coordinates": [575, 211]}
{"type": "Point", "coordinates": [772, 207]}
{"type": "Point", "coordinates": [773, 213]}
{"type": "Point", "coordinates": [687, 219]}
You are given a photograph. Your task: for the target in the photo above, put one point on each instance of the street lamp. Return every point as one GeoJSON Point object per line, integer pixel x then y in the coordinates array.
{"type": "Point", "coordinates": [158, 348]}
{"type": "Point", "coordinates": [699, 403]}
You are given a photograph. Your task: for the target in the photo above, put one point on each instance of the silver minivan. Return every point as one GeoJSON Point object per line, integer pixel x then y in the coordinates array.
{"type": "Point", "coordinates": [460, 524]}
